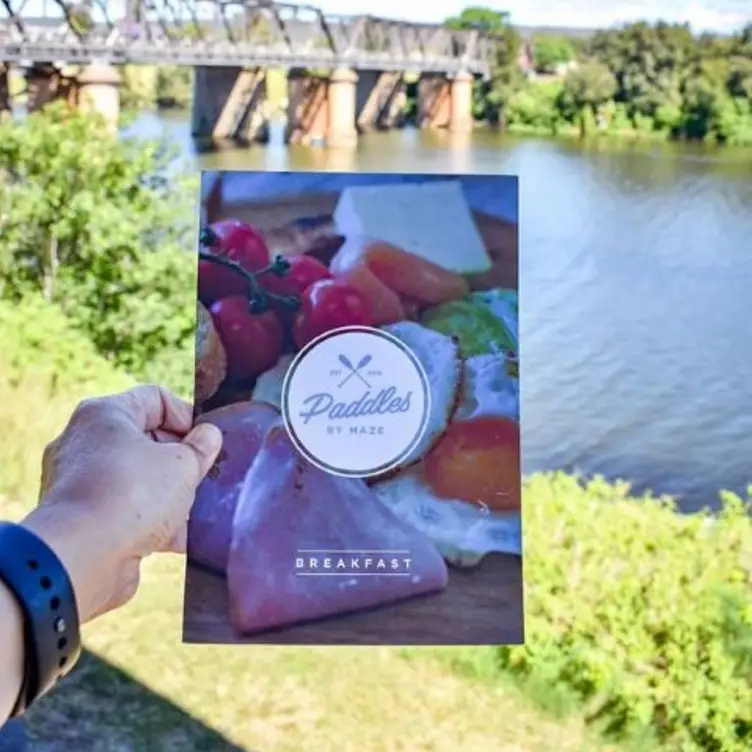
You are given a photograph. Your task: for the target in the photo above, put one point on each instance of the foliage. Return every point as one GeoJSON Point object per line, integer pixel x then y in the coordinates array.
{"type": "Point", "coordinates": [97, 227]}
{"type": "Point", "coordinates": [161, 86]}
{"type": "Point", "coordinates": [642, 78]}
{"type": "Point", "coordinates": [551, 51]}
{"type": "Point", "coordinates": [138, 88]}
{"type": "Point", "coordinates": [480, 18]}
{"type": "Point", "coordinates": [46, 366]}
{"type": "Point", "coordinates": [536, 108]}
{"type": "Point", "coordinates": [642, 614]}
{"type": "Point", "coordinates": [174, 86]}
{"type": "Point", "coordinates": [41, 346]}
{"type": "Point", "coordinates": [587, 87]}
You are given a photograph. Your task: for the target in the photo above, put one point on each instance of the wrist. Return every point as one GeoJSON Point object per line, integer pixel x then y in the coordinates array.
{"type": "Point", "coordinates": [83, 551]}
{"type": "Point", "coordinates": [12, 640]}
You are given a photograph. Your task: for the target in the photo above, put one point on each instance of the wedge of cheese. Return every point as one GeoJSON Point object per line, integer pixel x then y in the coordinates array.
{"type": "Point", "coordinates": [431, 220]}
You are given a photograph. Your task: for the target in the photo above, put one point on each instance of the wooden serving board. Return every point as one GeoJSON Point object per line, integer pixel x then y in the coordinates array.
{"type": "Point", "coordinates": [481, 606]}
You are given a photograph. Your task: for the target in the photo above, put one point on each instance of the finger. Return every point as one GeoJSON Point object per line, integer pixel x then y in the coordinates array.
{"type": "Point", "coordinates": [165, 437]}
{"type": "Point", "coordinates": [153, 407]}
{"type": "Point", "coordinates": [178, 543]}
{"type": "Point", "coordinates": [204, 441]}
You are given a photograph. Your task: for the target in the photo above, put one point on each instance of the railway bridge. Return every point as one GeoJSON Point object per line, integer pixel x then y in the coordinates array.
{"type": "Point", "coordinates": [345, 73]}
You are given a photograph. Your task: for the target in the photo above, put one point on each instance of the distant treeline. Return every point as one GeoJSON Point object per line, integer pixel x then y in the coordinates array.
{"type": "Point", "coordinates": [656, 80]}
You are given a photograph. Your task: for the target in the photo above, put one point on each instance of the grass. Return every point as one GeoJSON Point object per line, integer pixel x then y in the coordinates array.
{"type": "Point", "coordinates": [138, 688]}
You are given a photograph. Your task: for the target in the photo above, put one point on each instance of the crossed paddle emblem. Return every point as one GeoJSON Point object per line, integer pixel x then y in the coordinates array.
{"type": "Point", "coordinates": [354, 370]}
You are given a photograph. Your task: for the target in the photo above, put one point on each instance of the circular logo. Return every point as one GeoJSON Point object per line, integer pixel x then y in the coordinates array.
{"type": "Point", "coordinates": [356, 402]}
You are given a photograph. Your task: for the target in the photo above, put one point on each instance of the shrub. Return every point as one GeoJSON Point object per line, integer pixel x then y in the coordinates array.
{"type": "Point", "coordinates": [643, 614]}
{"type": "Point", "coordinates": [101, 228]}
{"type": "Point", "coordinates": [46, 367]}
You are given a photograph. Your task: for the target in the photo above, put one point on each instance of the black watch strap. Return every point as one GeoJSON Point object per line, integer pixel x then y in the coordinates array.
{"type": "Point", "coordinates": [31, 570]}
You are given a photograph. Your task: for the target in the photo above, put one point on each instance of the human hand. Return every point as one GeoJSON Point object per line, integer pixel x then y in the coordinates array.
{"type": "Point", "coordinates": [117, 485]}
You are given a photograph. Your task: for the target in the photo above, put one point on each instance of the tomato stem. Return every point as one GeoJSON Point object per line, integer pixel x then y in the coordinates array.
{"type": "Point", "coordinates": [258, 299]}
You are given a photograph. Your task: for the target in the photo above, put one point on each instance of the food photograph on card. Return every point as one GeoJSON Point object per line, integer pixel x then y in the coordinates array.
{"type": "Point", "coordinates": [357, 345]}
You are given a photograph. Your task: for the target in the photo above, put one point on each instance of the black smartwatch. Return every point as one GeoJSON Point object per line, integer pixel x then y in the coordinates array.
{"type": "Point", "coordinates": [31, 570]}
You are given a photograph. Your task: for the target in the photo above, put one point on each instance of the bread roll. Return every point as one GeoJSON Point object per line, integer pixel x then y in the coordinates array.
{"type": "Point", "coordinates": [211, 360]}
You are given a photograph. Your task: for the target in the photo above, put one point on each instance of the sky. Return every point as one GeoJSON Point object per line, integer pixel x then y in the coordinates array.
{"type": "Point", "coordinates": [703, 15]}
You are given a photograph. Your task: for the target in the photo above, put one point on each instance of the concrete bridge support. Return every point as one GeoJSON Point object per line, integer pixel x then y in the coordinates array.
{"type": "Point", "coordinates": [321, 109]}
{"type": "Point", "coordinates": [446, 103]}
{"type": "Point", "coordinates": [98, 91]}
{"type": "Point", "coordinates": [5, 102]}
{"type": "Point", "coordinates": [380, 100]}
{"type": "Point", "coordinates": [229, 103]}
{"type": "Point", "coordinates": [46, 84]}
{"type": "Point", "coordinates": [307, 108]}
{"type": "Point", "coordinates": [342, 129]}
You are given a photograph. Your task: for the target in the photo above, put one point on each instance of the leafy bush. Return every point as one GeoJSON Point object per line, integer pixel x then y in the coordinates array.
{"type": "Point", "coordinates": [100, 228]}
{"type": "Point", "coordinates": [41, 346]}
{"type": "Point", "coordinates": [535, 107]}
{"type": "Point", "coordinates": [642, 614]}
{"type": "Point", "coordinates": [46, 367]}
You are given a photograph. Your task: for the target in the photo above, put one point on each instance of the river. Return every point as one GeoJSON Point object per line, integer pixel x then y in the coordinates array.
{"type": "Point", "coordinates": [636, 277]}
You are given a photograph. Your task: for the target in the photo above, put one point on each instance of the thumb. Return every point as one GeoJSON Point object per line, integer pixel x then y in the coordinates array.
{"type": "Point", "coordinates": [205, 441]}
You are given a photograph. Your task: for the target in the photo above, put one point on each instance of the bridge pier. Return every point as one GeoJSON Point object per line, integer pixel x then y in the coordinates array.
{"type": "Point", "coordinates": [307, 108]}
{"type": "Point", "coordinates": [380, 99]}
{"type": "Point", "coordinates": [98, 91]}
{"type": "Point", "coordinates": [46, 84]}
{"type": "Point", "coordinates": [5, 102]}
{"type": "Point", "coordinates": [321, 109]}
{"type": "Point", "coordinates": [341, 98]}
{"type": "Point", "coordinates": [228, 103]}
{"type": "Point", "coordinates": [445, 103]}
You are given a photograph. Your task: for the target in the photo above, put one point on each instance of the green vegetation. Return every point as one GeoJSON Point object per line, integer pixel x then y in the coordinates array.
{"type": "Point", "coordinates": [98, 228]}
{"type": "Point", "coordinates": [164, 86]}
{"type": "Point", "coordinates": [549, 52]}
{"type": "Point", "coordinates": [646, 80]}
{"type": "Point", "coordinates": [639, 623]}
{"type": "Point", "coordinates": [640, 615]}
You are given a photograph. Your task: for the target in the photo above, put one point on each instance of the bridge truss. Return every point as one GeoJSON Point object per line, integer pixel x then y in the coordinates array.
{"type": "Point", "coordinates": [231, 33]}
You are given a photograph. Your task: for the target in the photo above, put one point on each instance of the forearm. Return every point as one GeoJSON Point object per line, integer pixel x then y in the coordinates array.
{"type": "Point", "coordinates": [12, 642]}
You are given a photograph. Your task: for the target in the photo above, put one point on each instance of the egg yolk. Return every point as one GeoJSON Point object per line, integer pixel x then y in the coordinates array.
{"type": "Point", "coordinates": [477, 461]}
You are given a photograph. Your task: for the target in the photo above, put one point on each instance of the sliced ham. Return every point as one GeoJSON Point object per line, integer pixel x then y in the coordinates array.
{"type": "Point", "coordinates": [288, 506]}
{"type": "Point", "coordinates": [243, 427]}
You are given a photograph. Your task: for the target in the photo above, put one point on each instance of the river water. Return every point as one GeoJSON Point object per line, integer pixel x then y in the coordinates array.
{"type": "Point", "coordinates": [636, 279]}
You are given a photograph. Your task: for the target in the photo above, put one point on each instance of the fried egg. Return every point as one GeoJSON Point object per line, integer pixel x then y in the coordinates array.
{"type": "Point", "coordinates": [440, 357]}
{"type": "Point", "coordinates": [463, 533]}
{"type": "Point", "coordinates": [464, 530]}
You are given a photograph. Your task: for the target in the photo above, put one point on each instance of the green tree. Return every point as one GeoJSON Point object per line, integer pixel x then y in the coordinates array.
{"type": "Point", "coordinates": [96, 226]}
{"type": "Point", "coordinates": [174, 85]}
{"type": "Point", "coordinates": [585, 89]}
{"type": "Point", "coordinates": [506, 77]}
{"type": "Point", "coordinates": [480, 18]}
{"type": "Point", "coordinates": [551, 51]}
{"type": "Point", "coordinates": [648, 62]}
